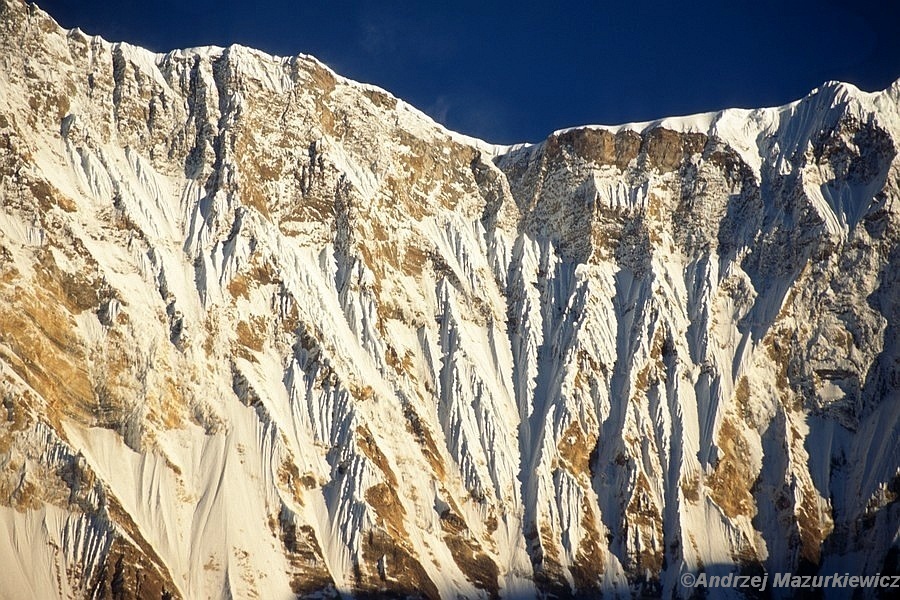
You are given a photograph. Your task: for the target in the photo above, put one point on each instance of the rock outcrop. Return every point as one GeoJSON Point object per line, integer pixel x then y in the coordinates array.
{"type": "Point", "coordinates": [267, 332]}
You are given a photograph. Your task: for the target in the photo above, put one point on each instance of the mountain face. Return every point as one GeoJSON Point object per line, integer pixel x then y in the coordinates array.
{"type": "Point", "coordinates": [267, 332]}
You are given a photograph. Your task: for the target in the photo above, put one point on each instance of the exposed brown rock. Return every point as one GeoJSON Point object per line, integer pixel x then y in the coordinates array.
{"type": "Point", "coordinates": [575, 450]}
{"type": "Point", "coordinates": [598, 146]}
{"type": "Point", "coordinates": [127, 575]}
{"type": "Point", "coordinates": [587, 569]}
{"type": "Point", "coordinates": [667, 150]}
{"type": "Point", "coordinates": [644, 516]}
{"type": "Point", "coordinates": [732, 480]}
{"type": "Point", "coordinates": [468, 555]}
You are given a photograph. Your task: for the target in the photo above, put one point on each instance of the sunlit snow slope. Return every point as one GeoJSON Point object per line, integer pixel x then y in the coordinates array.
{"type": "Point", "coordinates": [267, 332]}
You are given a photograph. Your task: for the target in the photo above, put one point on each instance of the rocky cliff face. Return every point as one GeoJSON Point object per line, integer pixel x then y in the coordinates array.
{"type": "Point", "coordinates": [267, 332]}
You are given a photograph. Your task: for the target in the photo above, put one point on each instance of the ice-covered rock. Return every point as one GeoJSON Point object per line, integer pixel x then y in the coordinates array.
{"type": "Point", "coordinates": [265, 331]}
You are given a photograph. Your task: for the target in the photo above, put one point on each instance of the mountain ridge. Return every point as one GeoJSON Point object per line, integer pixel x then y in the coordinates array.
{"type": "Point", "coordinates": [269, 331]}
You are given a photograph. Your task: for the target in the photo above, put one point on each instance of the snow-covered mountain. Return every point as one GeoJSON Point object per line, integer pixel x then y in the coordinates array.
{"type": "Point", "coordinates": [267, 332]}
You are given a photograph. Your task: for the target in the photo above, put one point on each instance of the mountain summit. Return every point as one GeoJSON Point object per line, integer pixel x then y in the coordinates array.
{"type": "Point", "coordinates": [267, 332]}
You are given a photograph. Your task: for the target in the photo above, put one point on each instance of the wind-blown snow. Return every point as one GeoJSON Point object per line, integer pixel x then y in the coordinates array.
{"type": "Point", "coordinates": [265, 331]}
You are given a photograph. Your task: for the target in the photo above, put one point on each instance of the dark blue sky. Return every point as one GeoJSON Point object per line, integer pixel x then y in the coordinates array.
{"type": "Point", "coordinates": [515, 71]}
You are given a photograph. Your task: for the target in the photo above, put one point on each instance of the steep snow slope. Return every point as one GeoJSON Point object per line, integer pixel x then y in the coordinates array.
{"type": "Point", "coordinates": [265, 331]}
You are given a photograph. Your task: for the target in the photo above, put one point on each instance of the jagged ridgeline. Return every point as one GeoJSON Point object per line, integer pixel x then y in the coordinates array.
{"type": "Point", "coordinates": [267, 332]}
